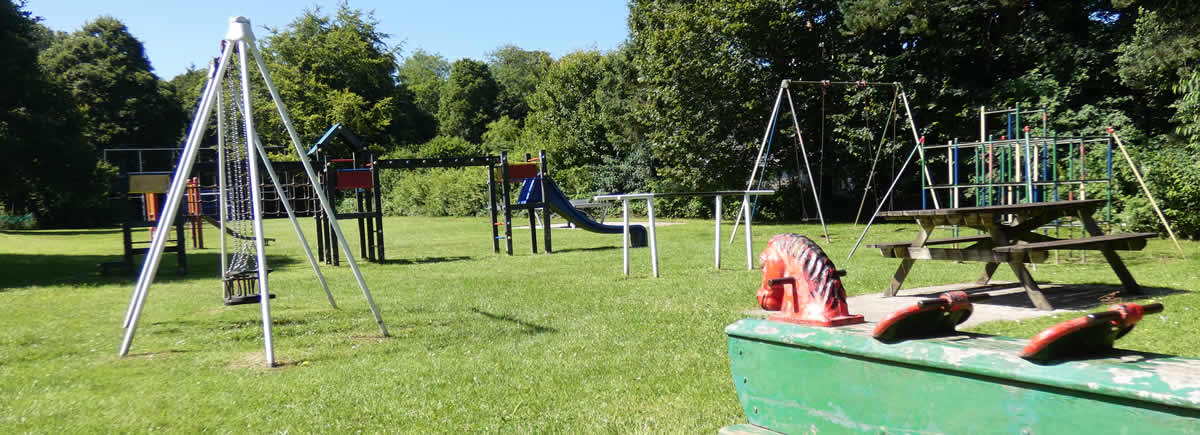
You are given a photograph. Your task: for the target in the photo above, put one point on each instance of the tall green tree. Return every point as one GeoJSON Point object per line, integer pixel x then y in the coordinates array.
{"type": "Point", "coordinates": [518, 73]}
{"type": "Point", "coordinates": [1163, 50]}
{"type": "Point", "coordinates": [711, 71]}
{"type": "Point", "coordinates": [339, 69]}
{"type": "Point", "coordinates": [584, 113]}
{"type": "Point", "coordinates": [48, 169]}
{"type": "Point", "coordinates": [110, 79]}
{"type": "Point", "coordinates": [425, 73]}
{"type": "Point", "coordinates": [468, 101]}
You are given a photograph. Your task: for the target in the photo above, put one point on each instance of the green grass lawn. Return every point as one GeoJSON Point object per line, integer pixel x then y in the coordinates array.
{"type": "Point", "coordinates": [480, 341]}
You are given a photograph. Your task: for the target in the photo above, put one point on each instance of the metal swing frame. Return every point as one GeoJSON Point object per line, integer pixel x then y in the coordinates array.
{"type": "Point", "coordinates": [239, 39]}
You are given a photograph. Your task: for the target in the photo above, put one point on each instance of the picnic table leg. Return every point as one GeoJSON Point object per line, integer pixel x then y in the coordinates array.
{"type": "Point", "coordinates": [988, 271]}
{"type": "Point", "coordinates": [907, 263]}
{"type": "Point", "coordinates": [1114, 260]}
{"type": "Point", "coordinates": [1017, 262]}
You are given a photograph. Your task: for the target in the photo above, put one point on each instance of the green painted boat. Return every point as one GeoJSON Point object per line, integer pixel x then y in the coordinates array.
{"type": "Point", "coordinates": [793, 378]}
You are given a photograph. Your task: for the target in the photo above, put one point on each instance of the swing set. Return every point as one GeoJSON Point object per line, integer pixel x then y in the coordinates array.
{"type": "Point", "coordinates": [758, 172]}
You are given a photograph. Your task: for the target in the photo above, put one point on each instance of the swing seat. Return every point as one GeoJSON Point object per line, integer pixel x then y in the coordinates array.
{"type": "Point", "coordinates": [241, 288]}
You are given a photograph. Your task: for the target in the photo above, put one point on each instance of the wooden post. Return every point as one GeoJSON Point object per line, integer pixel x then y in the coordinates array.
{"type": "Point", "coordinates": [1141, 182]}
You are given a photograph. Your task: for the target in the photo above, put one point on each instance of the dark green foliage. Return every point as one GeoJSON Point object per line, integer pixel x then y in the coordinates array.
{"type": "Point", "coordinates": [339, 69]}
{"type": "Point", "coordinates": [424, 74]}
{"type": "Point", "coordinates": [584, 115]}
{"type": "Point", "coordinates": [518, 72]}
{"type": "Point", "coordinates": [448, 146]}
{"type": "Point", "coordinates": [109, 78]}
{"type": "Point", "coordinates": [468, 101]}
{"type": "Point", "coordinates": [436, 191]}
{"type": "Point", "coordinates": [48, 170]}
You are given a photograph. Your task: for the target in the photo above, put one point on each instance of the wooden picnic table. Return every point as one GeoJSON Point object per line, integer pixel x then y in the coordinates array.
{"type": "Point", "coordinates": [1009, 237]}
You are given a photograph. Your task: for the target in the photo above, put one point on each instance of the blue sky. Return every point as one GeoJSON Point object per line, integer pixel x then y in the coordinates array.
{"type": "Point", "coordinates": [177, 33]}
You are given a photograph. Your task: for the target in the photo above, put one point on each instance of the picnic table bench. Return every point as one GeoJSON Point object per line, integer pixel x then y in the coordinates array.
{"type": "Point", "coordinates": [1010, 238]}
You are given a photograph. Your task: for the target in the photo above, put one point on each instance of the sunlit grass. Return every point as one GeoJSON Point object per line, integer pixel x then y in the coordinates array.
{"type": "Point", "coordinates": [547, 343]}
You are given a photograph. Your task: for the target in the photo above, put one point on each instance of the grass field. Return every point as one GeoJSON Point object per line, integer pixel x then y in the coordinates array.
{"type": "Point", "coordinates": [480, 342]}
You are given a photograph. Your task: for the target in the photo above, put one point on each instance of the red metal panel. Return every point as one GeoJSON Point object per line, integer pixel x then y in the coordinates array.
{"type": "Point", "coordinates": [520, 171]}
{"type": "Point", "coordinates": [354, 179]}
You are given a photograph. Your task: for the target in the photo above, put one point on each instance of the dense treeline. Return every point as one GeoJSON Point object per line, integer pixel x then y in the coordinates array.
{"type": "Point", "coordinates": [681, 105]}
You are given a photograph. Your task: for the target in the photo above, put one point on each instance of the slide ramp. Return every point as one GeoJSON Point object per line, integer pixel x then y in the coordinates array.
{"type": "Point", "coordinates": [561, 205]}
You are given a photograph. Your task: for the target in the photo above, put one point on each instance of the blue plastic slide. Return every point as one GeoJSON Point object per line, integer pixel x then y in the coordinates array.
{"type": "Point", "coordinates": [561, 205]}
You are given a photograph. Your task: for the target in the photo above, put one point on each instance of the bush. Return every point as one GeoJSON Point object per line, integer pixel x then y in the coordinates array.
{"type": "Point", "coordinates": [435, 192]}
{"type": "Point", "coordinates": [1174, 179]}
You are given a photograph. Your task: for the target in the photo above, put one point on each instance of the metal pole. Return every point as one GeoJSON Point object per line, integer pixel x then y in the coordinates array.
{"type": "Point", "coordinates": [222, 192]}
{"type": "Point", "coordinates": [174, 196]}
{"type": "Point", "coordinates": [878, 150]}
{"type": "Point", "coordinates": [761, 149]}
{"type": "Point", "coordinates": [1147, 191]}
{"type": "Point", "coordinates": [625, 235]}
{"type": "Point", "coordinates": [748, 231]}
{"type": "Point", "coordinates": [654, 239]}
{"type": "Point", "coordinates": [717, 242]}
{"type": "Point", "coordinates": [264, 298]}
{"type": "Point", "coordinates": [262, 152]}
{"type": "Point", "coordinates": [912, 124]}
{"type": "Point", "coordinates": [803, 152]}
{"type": "Point", "coordinates": [312, 177]}
{"type": "Point", "coordinates": [883, 201]}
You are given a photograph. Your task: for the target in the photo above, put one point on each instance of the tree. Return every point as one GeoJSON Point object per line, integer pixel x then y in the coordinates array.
{"type": "Point", "coordinates": [109, 77]}
{"type": "Point", "coordinates": [518, 73]}
{"type": "Point", "coordinates": [711, 70]}
{"type": "Point", "coordinates": [339, 69]}
{"type": "Point", "coordinates": [584, 111]}
{"type": "Point", "coordinates": [468, 101]}
{"type": "Point", "coordinates": [48, 169]}
{"type": "Point", "coordinates": [424, 74]}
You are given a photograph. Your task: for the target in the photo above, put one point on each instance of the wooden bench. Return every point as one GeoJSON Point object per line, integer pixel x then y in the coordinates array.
{"type": "Point", "coordinates": [1116, 242]}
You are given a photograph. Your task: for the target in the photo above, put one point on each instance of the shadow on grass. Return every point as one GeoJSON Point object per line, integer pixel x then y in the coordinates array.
{"type": "Point", "coordinates": [426, 260]}
{"type": "Point", "coordinates": [18, 270]}
{"type": "Point", "coordinates": [529, 328]}
{"type": "Point", "coordinates": [39, 233]}
{"type": "Point", "coordinates": [597, 248]}
{"type": "Point", "coordinates": [1072, 296]}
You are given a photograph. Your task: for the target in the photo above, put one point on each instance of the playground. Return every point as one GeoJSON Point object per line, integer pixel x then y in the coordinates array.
{"type": "Point", "coordinates": [1010, 323]}
{"type": "Point", "coordinates": [558, 342]}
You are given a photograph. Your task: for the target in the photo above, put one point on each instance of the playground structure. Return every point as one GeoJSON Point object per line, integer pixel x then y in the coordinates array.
{"type": "Point", "coordinates": [630, 237]}
{"type": "Point", "coordinates": [758, 172]}
{"type": "Point", "coordinates": [148, 187]}
{"type": "Point", "coordinates": [245, 272]}
{"type": "Point", "coordinates": [1020, 166]}
{"type": "Point", "coordinates": [912, 372]}
{"type": "Point", "coordinates": [537, 194]}
{"type": "Point", "coordinates": [358, 175]}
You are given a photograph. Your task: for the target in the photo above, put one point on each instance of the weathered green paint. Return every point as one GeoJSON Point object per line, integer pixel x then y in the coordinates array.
{"type": "Point", "coordinates": [793, 378]}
